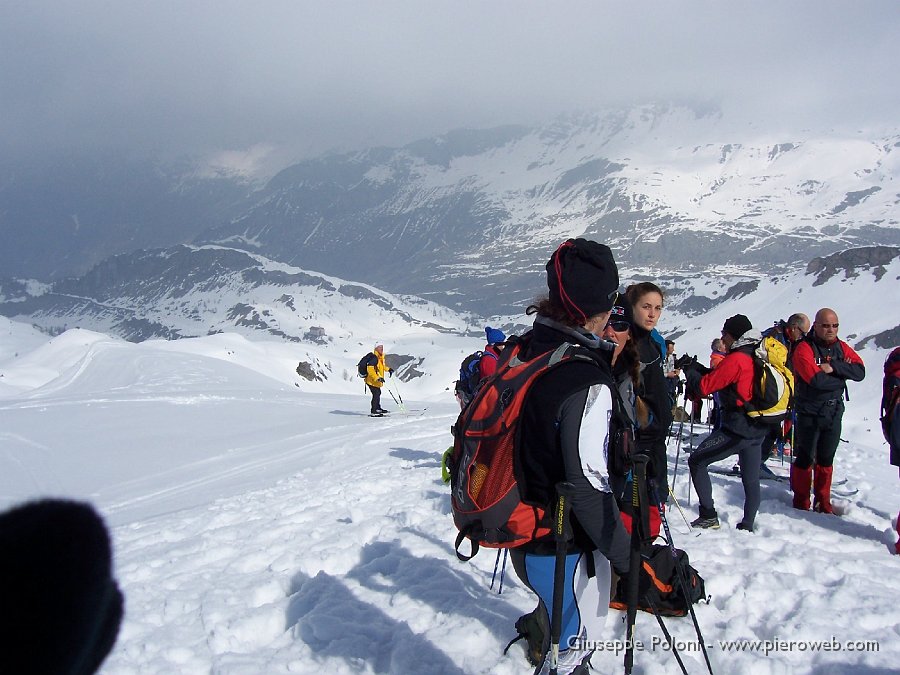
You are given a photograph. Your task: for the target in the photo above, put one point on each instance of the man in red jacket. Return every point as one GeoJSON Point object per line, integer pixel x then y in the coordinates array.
{"type": "Point", "coordinates": [822, 365]}
{"type": "Point", "coordinates": [738, 434]}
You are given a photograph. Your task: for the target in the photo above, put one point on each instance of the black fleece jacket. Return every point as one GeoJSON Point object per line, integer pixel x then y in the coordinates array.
{"type": "Point", "coordinates": [564, 434]}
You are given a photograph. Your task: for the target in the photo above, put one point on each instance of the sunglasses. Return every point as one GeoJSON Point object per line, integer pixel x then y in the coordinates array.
{"type": "Point", "coordinates": [619, 326]}
{"type": "Point", "coordinates": [826, 326]}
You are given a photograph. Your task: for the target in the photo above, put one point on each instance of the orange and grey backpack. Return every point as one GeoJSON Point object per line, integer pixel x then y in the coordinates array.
{"type": "Point", "coordinates": [486, 498]}
{"type": "Point", "coordinates": [660, 590]}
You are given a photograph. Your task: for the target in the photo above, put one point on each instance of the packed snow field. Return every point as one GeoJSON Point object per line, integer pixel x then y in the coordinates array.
{"type": "Point", "coordinates": [262, 528]}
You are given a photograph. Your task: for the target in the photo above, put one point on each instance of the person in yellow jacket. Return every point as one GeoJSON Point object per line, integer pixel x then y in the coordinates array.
{"type": "Point", "coordinates": [375, 372]}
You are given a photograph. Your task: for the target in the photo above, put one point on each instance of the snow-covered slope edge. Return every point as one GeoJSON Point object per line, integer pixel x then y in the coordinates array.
{"type": "Point", "coordinates": [259, 528]}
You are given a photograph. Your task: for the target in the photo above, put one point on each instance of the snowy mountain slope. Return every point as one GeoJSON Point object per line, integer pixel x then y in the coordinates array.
{"type": "Point", "coordinates": [326, 323]}
{"type": "Point", "coordinates": [193, 291]}
{"type": "Point", "coordinates": [860, 293]}
{"type": "Point", "coordinates": [468, 217]}
{"type": "Point", "coordinates": [662, 185]}
{"type": "Point", "coordinates": [260, 528]}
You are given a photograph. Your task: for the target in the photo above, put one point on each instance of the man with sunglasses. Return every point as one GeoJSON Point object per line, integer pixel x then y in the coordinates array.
{"type": "Point", "coordinates": [822, 364]}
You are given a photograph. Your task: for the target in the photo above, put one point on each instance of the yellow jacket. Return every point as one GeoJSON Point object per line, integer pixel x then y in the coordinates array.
{"type": "Point", "coordinates": [376, 372]}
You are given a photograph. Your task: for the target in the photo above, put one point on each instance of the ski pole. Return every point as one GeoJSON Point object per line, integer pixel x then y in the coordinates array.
{"type": "Point", "coordinates": [638, 483]}
{"type": "Point", "coordinates": [677, 456]}
{"type": "Point", "coordinates": [399, 403]}
{"type": "Point", "coordinates": [779, 445]}
{"type": "Point", "coordinates": [668, 636]}
{"type": "Point", "coordinates": [793, 426]}
{"type": "Point", "coordinates": [681, 511]}
{"type": "Point", "coordinates": [681, 580]}
{"type": "Point", "coordinates": [564, 492]}
{"type": "Point", "coordinates": [505, 552]}
{"type": "Point", "coordinates": [398, 394]}
{"type": "Point", "coordinates": [496, 564]}
{"type": "Point", "coordinates": [693, 410]}
{"type": "Point", "coordinates": [677, 447]}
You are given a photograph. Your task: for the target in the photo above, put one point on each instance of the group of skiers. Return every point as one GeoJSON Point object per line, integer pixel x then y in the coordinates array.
{"type": "Point", "coordinates": [573, 415]}
{"type": "Point", "coordinates": [821, 364]}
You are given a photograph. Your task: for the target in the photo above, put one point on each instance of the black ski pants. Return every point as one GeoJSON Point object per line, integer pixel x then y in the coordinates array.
{"type": "Point", "coordinates": [816, 437]}
{"type": "Point", "coordinates": [769, 442]}
{"type": "Point", "coordinates": [719, 445]}
{"type": "Point", "coordinates": [376, 398]}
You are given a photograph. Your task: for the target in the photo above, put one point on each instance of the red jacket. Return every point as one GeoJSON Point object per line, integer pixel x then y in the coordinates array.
{"type": "Point", "coordinates": [735, 369]}
{"type": "Point", "coordinates": [487, 366]}
{"type": "Point", "coordinates": [815, 387]}
{"type": "Point", "coordinates": [733, 378]}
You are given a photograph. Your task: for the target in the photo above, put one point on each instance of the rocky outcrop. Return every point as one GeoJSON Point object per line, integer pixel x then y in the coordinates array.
{"type": "Point", "coordinates": [851, 262]}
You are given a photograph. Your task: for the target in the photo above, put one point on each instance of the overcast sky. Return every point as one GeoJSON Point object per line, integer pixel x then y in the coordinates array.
{"type": "Point", "coordinates": [201, 76]}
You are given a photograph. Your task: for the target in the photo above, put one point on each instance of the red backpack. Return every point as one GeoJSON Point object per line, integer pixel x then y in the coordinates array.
{"type": "Point", "coordinates": [485, 497]}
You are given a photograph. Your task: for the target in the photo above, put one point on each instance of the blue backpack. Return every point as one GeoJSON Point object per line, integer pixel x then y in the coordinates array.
{"type": "Point", "coordinates": [469, 377]}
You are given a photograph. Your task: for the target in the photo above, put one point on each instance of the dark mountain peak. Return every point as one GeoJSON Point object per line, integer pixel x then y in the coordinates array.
{"type": "Point", "coordinates": [851, 262]}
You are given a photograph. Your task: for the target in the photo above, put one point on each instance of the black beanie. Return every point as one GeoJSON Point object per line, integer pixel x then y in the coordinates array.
{"type": "Point", "coordinates": [736, 326]}
{"type": "Point", "coordinates": [583, 278]}
{"type": "Point", "coordinates": [622, 311]}
{"type": "Point", "coordinates": [61, 606]}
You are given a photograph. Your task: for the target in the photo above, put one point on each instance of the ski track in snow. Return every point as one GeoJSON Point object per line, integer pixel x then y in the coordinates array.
{"type": "Point", "coordinates": [348, 568]}
{"type": "Point", "coordinates": [337, 568]}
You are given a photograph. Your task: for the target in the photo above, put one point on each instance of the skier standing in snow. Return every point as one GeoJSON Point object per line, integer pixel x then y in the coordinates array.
{"type": "Point", "coordinates": [796, 328]}
{"type": "Point", "coordinates": [738, 434]}
{"type": "Point", "coordinates": [375, 372]}
{"type": "Point", "coordinates": [822, 365]}
{"type": "Point", "coordinates": [565, 423]}
{"type": "Point", "coordinates": [626, 368]}
{"type": "Point", "coordinates": [495, 338]}
{"type": "Point", "coordinates": [646, 300]}
{"type": "Point", "coordinates": [673, 374]}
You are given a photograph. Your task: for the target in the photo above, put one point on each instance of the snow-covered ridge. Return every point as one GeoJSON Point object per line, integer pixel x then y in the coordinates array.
{"type": "Point", "coordinates": [325, 323]}
{"type": "Point", "coordinates": [662, 185]}
{"type": "Point", "coordinates": [465, 218]}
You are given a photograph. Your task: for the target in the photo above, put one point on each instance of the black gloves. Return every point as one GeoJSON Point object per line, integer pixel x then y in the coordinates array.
{"type": "Point", "coordinates": [689, 363]}
{"type": "Point", "coordinates": [683, 362]}
{"type": "Point", "coordinates": [390, 372]}
{"type": "Point", "coordinates": [700, 368]}
{"type": "Point", "coordinates": [381, 380]}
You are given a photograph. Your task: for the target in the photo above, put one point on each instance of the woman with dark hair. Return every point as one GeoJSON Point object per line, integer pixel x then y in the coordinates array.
{"type": "Point", "coordinates": [626, 368]}
{"type": "Point", "coordinates": [646, 299]}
